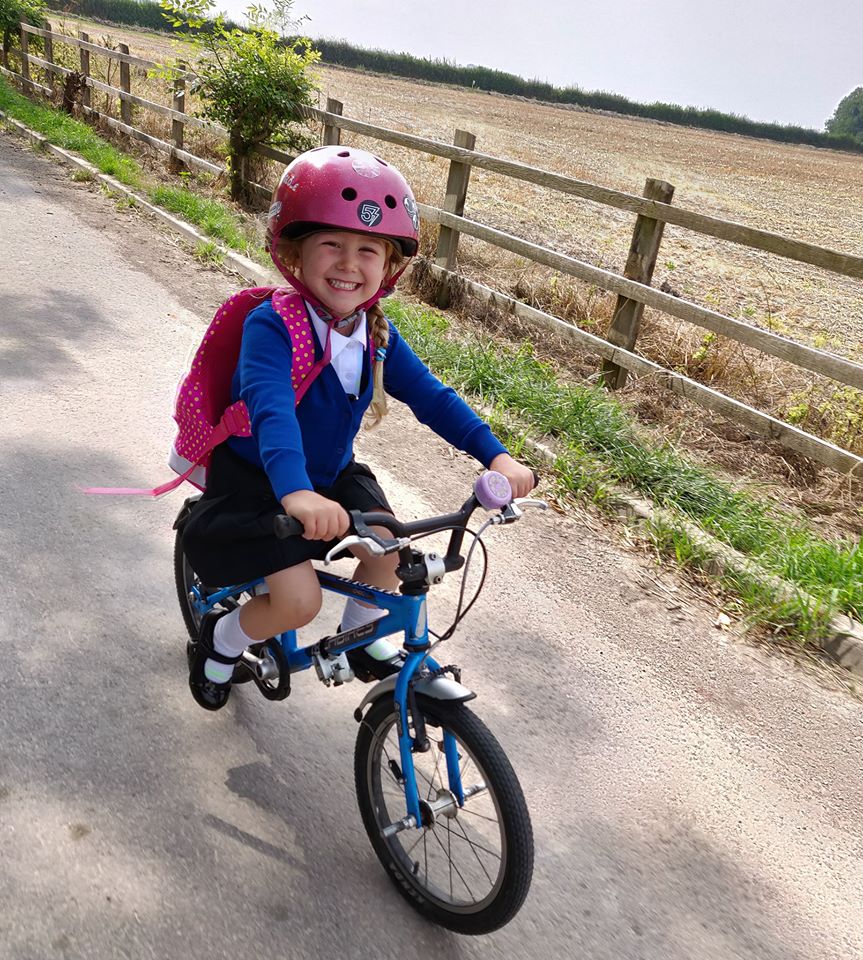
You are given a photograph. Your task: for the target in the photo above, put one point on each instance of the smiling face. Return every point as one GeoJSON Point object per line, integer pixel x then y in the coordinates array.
{"type": "Point", "coordinates": [343, 269]}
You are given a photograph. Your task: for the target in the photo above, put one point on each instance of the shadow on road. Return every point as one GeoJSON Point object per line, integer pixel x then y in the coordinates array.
{"type": "Point", "coordinates": [41, 331]}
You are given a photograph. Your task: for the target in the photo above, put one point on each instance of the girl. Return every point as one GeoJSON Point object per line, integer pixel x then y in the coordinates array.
{"type": "Point", "coordinates": [342, 226]}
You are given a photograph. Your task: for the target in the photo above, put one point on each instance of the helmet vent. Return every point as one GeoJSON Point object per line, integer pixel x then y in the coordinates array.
{"type": "Point", "coordinates": [344, 153]}
{"type": "Point", "coordinates": [390, 201]}
{"type": "Point", "coordinates": [349, 193]}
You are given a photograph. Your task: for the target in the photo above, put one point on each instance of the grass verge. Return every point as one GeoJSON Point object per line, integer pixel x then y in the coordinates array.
{"type": "Point", "coordinates": [600, 446]}
{"type": "Point", "coordinates": [215, 219]}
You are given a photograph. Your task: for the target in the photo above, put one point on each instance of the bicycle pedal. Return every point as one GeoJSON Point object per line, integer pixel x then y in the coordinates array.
{"type": "Point", "coordinates": [269, 669]}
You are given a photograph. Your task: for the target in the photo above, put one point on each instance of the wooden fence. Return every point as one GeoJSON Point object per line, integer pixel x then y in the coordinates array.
{"type": "Point", "coordinates": [652, 211]}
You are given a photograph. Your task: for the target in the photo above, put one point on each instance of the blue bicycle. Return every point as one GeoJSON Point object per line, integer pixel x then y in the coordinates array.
{"type": "Point", "coordinates": [440, 802]}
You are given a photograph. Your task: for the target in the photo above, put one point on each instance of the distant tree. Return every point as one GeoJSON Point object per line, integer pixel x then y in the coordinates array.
{"type": "Point", "coordinates": [12, 12]}
{"type": "Point", "coordinates": [847, 121]}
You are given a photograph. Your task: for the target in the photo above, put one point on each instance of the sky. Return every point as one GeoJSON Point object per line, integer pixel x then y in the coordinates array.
{"type": "Point", "coordinates": [788, 61]}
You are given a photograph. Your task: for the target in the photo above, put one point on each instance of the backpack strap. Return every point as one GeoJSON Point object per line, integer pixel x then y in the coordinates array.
{"type": "Point", "coordinates": [291, 307]}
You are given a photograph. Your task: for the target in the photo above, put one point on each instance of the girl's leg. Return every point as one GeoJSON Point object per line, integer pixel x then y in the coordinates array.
{"type": "Point", "coordinates": [377, 572]}
{"type": "Point", "coordinates": [293, 600]}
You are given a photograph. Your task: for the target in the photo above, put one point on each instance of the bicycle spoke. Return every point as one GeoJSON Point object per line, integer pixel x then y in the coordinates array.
{"type": "Point", "coordinates": [479, 846]}
{"type": "Point", "coordinates": [463, 768]}
{"type": "Point", "coordinates": [482, 816]}
{"type": "Point", "coordinates": [474, 848]}
{"type": "Point", "coordinates": [452, 867]}
{"type": "Point", "coordinates": [449, 857]}
{"type": "Point", "coordinates": [414, 844]}
{"type": "Point", "coordinates": [434, 774]}
{"type": "Point", "coordinates": [417, 769]}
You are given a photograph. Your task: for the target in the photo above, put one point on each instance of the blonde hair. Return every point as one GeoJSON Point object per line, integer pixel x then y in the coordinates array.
{"type": "Point", "coordinates": [288, 253]}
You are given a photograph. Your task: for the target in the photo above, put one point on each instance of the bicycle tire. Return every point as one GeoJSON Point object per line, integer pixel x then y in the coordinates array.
{"type": "Point", "coordinates": [509, 887]}
{"type": "Point", "coordinates": [184, 578]}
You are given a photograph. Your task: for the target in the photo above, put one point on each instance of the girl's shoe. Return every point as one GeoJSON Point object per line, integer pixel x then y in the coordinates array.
{"type": "Point", "coordinates": [207, 693]}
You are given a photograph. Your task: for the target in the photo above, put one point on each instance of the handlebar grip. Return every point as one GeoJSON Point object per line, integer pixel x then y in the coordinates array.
{"type": "Point", "coordinates": [285, 526]}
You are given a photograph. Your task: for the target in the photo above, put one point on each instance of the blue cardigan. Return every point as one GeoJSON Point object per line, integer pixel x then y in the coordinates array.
{"type": "Point", "coordinates": [305, 447]}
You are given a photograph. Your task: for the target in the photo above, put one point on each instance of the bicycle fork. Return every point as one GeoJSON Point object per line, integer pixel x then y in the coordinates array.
{"type": "Point", "coordinates": [420, 811]}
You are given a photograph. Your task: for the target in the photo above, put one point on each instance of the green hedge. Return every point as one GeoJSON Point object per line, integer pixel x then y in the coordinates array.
{"type": "Point", "coordinates": [485, 78]}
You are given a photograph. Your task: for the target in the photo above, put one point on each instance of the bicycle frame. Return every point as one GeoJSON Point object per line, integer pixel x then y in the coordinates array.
{"type": "Point", "coordinates": [406, 614]}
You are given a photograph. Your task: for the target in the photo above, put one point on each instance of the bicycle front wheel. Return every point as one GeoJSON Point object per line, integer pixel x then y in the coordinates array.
{"type": "Point", "coordinates": [469, 868]}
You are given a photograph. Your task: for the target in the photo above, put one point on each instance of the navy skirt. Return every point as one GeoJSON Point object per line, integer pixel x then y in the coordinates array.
{"type": "Point", "coordinates": [228, 535]}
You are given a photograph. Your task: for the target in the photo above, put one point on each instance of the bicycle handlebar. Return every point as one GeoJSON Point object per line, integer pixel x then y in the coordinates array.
{"type": "Point", "coordinates": [491, 490]}
{"type": "Point", "coordinates": [285, 526]}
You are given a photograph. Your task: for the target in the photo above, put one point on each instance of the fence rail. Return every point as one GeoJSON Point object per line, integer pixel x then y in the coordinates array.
{"type": "Point", "coordinates": [632, 287]}
{"type": "Point", "coordinates": [782, 348]}
{"type": "Point", "coordinates": [762, 423]}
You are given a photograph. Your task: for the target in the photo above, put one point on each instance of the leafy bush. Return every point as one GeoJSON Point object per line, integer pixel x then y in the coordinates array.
{"type": "Point", "coordinates": [251, 81]}
{"type": "Point", "coordinates": [13, 12]}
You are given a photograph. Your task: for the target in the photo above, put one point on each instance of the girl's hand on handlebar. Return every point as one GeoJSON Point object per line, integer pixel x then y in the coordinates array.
{"type": "Point", "coordinates": [322, 519]}
{"type": "Point", "coordinates": [521, 478]}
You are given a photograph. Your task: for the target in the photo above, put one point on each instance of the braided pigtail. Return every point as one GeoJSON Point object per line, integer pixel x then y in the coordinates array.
{"type": "Point", "coordinates": [379, 334]}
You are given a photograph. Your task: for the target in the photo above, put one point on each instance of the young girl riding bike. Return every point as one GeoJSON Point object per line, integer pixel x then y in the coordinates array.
{"type": "Point", "coordinates": [341, 228]}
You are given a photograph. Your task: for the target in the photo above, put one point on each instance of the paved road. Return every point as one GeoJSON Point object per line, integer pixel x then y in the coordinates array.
{"type": "Point", "coordinates": [691, 798]}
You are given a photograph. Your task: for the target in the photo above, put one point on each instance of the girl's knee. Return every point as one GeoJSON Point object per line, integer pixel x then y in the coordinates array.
{"type": "Point", "coordinates": [295, 597]}
{"type": "Point", "coordinates": [296, 610]}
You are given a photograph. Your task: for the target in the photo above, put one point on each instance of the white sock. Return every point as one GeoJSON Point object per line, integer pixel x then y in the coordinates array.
{"type": "Point", "coordinates": [357, 614]}
{"type": "Point", "coordinates": [230, 640]}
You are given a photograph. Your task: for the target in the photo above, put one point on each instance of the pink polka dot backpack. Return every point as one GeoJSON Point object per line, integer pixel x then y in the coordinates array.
{"type": "Point", "coordinates": [203, 410]}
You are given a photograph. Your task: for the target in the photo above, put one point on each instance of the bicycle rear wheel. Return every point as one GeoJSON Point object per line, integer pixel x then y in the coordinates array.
{"type": "Point", "coordinates": [468, 869]}
{"type": "Point", "coordinates": [185, 579]}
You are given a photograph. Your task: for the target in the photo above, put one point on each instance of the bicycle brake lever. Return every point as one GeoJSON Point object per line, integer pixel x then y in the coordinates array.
{"type": "Point", "coordinates": [523, 502]}
{"type": "Point", "coordinates": [354, 541]}
{"type": "Point", "coordinates": [515, 510]}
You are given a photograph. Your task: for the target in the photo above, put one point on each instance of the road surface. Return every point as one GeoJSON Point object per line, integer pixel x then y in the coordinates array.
{"type": "Point", "coordinates": [691, 798]}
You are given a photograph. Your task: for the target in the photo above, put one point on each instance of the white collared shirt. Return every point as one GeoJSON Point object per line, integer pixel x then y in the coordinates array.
{"type": "Point", "coordinates": [346, 353]}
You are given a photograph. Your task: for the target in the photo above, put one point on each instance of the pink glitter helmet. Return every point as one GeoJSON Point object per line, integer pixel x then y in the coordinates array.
{"type": "Point", "coordinates": [343, 188]}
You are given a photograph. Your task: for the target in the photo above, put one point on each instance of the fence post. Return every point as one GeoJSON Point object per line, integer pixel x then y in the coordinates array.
{"type": "Point", "coordinates": [86, 98]}
{"type": "Point", "coordinates": [456, 194]}
{"type": "Point", "coordinates": [125, 86]}
{"type": "Point", "coordinates": [640, 264]}
{"type": "Point", "coordinates": [178, 128]}
{"type": "Point", "coordinates": [333, 135]}
{"type": "Point", "coordinates": [25, 59]}
{"type": "Point", "coordinates": [49, 56]}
